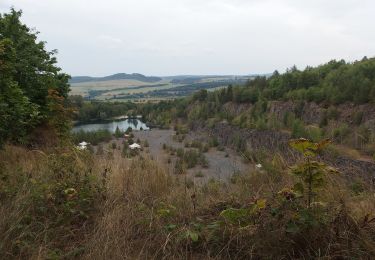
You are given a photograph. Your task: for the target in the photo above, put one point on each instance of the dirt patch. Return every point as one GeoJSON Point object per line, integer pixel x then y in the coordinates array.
{"type": "Point", "coordinates": [221, 164]}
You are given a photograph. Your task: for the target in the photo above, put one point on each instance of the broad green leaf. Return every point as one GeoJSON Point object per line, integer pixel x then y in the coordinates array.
{"type": "Point", "coordinates": [234, 215]}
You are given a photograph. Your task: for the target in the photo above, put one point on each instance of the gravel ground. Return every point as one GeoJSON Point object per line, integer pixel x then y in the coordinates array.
{"type": "Point", "coordinates": [222, 164]}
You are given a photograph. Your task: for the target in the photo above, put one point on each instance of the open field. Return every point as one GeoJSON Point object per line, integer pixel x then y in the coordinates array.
{"type": "Point", "coordinates": [167, 88]}
{"type": "Point", "coordinates": [110, 85]}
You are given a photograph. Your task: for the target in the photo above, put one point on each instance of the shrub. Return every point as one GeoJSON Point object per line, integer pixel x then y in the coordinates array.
{"type": "Point", "coordinates": [213, 142]}
{"type": "Point", "coordinates": [92, 137]}
{"type": "Point", "coordinates": [311, 172]}
{"type": "Point", "coordinates": [298, 129]}
{"type": "Point", "coordinates": [118, 133]}
{"type": "Point", "coordinates": [179, 167]}
{"type": "Point", "coordinates": [314, 133]}
{"type": "Point", "coordinates": [332, 113]}
{"type": "Point", "coordinates": [340, 133]}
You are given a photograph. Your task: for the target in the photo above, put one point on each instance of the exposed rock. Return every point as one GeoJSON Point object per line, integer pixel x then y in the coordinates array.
{"type": "Point", "coordinates": [277, 142]}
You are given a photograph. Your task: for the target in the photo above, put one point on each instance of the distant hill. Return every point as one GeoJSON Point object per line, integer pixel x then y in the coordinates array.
{"type": "Point", "coordinates": [118, 76]}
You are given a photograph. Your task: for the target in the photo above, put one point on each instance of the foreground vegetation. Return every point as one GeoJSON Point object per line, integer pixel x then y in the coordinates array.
{"type": "Point", "coordinates": [71, 203]}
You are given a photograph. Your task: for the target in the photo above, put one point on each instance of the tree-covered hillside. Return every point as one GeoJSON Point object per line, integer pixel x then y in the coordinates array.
{"type": "Point", "coordinates": [331, 84]}
{"type": "Point", "coordinates": [335, 82]}
{"type": "Point", "coordinates": [32, 88]}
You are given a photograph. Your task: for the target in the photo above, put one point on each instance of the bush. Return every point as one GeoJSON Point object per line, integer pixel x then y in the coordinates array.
{"type": "Point", "coordinates": [118, 133]}
{"type": "Point", "coordinates": [332, 113]}
{"type": "Point", "coordinates": [298, 129]}
{"type": "Point", "coordinates": [213, 142]}
{"type": "Point", "coordinates": [314, 133]}
{"type": "Point", "coordinates": [339, 134]}
{"type": "Point", "coordinates": [190, 158]}
{"type": "Point", "coordinates": [357, 117]}
{"type": "Point", "coordinates": [92, 137]}
{"type": "Point", "coordinates": [179, 167]}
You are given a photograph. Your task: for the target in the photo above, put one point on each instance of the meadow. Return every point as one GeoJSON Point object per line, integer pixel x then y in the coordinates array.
{"type": "Point", "coordinates": [135, 90]}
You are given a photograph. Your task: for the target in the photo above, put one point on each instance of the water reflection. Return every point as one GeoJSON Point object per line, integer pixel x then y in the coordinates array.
{"type": "Point", "coordinates": [123, 125]}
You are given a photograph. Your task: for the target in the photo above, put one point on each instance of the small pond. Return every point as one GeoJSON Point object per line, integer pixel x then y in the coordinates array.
{"type": "Point", "coordinates": [123, 125]}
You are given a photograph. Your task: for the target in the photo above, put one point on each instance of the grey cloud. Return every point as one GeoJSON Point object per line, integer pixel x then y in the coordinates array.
{"type": "Point", "coordinates": [168, 37]}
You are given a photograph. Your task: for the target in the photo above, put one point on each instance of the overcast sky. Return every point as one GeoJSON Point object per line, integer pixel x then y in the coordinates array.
{"type": "Point", "coordinates": [171, 37]}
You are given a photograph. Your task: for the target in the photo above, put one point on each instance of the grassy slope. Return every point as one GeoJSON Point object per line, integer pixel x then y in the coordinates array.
{"type": "Point", "coordinates": [136, 210]}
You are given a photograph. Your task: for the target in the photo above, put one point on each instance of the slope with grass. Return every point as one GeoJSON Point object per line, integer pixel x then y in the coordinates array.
{"type": "Point", "coordinates": [73, 204]}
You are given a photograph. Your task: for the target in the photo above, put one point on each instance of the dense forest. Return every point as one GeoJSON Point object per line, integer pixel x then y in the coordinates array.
{"type": "Point", "coordinates": [335, 82]}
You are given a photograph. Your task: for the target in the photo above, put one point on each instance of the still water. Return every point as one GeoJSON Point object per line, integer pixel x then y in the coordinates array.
{"type": "Point", "coordinates": [123, 125]}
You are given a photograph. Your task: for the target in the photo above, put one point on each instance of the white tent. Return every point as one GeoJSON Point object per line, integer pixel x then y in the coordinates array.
{"type": "Point", "coordinates": [82, 145]}
{"type": "Point", "coordinates": [134, 146]}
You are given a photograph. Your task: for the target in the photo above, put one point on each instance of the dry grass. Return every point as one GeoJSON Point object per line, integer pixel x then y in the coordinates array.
{"type": "Point", "coordinates": [47, 202]}
{"type": "Point", "coordinates": [149, 214]}
{"type": "Point", "coordinates": [138, 211]}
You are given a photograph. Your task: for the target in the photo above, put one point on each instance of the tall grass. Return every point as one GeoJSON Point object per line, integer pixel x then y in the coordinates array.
{"type": "Point", "coordinates": [47, 202]}
{"type": "Point", "coordinates": [133, 209]}
{"type": "Point", "coordinates": [150, 214]}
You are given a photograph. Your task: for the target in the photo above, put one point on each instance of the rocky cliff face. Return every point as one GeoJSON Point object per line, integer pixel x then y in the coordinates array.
{"type": "Point", "coordinates": [312, 113]}
{"type": "Point", "coordinates": [274, 142]}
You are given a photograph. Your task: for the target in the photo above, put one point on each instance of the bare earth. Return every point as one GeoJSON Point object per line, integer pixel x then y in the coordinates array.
{"type": "Point", "coordinates": [220, 166]}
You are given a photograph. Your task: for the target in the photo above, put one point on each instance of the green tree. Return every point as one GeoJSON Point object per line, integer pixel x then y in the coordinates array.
{"type": "Point", "coordinates": [118, 132]}
{"type": "Point", "coordinates": [17, 113]}
{"type": "Point", "coordinates": [32, 89]}
{"type": "Point", "coordinates": [310, 171]}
